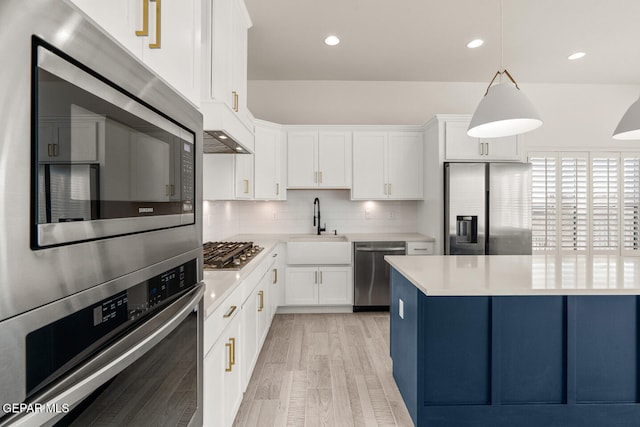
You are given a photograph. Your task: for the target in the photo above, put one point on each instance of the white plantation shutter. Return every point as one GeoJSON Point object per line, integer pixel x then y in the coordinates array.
{"type": "Point", "coordinates": [573, 202]}
{"type": "Point", "coordinates": [605, 202]}
{"type": "Point", "coordinates": [543, 202]}
{"type": "Point", "coordinates": [631, 204]}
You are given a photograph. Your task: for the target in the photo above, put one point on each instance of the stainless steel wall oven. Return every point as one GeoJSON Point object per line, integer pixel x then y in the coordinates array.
{"type": "Point", "coordinates": [100, 227]}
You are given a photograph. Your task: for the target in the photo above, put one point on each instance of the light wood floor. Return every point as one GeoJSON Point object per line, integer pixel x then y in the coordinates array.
{"type": "Point", "coordinates": [324, 370]}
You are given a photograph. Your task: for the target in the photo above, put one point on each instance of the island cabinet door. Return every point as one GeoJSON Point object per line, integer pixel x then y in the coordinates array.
{"type": "Point", "coordinates": [404, 339]}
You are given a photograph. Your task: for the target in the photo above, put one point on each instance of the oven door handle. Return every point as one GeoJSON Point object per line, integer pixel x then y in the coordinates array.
{"type": "Point", "coordinates": [96, 371]}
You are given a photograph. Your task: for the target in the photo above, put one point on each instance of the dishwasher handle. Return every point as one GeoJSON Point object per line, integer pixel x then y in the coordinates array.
{"type": "Point", "coordinates": [390, 249]}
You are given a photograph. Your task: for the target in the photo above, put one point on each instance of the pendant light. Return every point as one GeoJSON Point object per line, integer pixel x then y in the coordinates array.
{"type": "Point", "coordinates": [629, 126]}
{"type": "Point", "coordinates": [504, 110]}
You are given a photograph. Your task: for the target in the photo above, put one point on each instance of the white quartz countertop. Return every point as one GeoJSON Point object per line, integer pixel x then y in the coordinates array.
{"type": "Point", "coordinates": [521, 274]}
{"type": "Point", "coordinates": [351, 237]}
{"type": "Point", "coordinates": [220, 284]}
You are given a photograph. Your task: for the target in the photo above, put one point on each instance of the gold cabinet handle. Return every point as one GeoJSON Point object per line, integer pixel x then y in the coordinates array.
{"type": "Point", "coordinates": [261, 296]}
{"type": "Point", "coordinates": [277, 189]}
{"type": "Point", "coordinates": [235, 101]}
{"type": "Point", "coordinates": [145, 19]}
{"type": "Point", "coordinates": [315, 274]}
{"type": "Point", "coordinates": [487, 148]}
{"type": "Point", "coordinates": [233, 351]}
{"type": "Point", "coordinates": [230, 365]}
{"type": "Point", "coordinates": [389, 189]}
{"type": "Point", "coordinates": [229, 312]}
{"type": "Point", "coordinates": [50, 150]}
{"type": "Point", "coordinates": [246, 186]}
{"type": "Point", "coordinates": [320, 179]}
{"type": "Point", "coordinates": [386, 189]}
{"type": "Point", "coordinates": [481, 148]}
{"type": "Point", "coordinates": [275, 276]}
{"type": "Point", "coordinates": [315, 177]}
{"type": "Point", "coordinates": [320, 276]}
{"type": "Point", "coordinates": [156, 45]}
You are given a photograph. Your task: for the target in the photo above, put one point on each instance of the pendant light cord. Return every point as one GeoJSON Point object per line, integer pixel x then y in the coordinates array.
{"type": "Point", "coordinates": [501, 38]}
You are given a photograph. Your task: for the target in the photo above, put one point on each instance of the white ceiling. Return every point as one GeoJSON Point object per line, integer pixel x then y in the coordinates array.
{"type": "Point", "coordinates": [425, 40]}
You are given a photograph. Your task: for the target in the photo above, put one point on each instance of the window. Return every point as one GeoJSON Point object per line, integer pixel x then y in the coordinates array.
{"type": "Point", "coordinates": [630, 204]}
{"type": "Point", "coordinates": [605, 203]}
{"type": "Point", "coordinates": [573, 202]}
{"type": "Point", "coordinates": [586, 202]}
{"type": "Point", "coordinates": [543, 203]}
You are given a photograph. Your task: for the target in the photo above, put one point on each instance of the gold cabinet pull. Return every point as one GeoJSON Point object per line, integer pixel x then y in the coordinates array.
{"type": "Point", "coordinates": [277, 189]}
{"type": "Point", "coordinates": [275, 276]}
{"type": "Point", "coordinates": [50, 150]}
{"type": "Point", "coordinates": [229, 312]}
{"type": "Point", "coordinates": [233, 351]}
{"type": "Point", "coordinates": [230, 365]}
{"type": "Point", "coordinates": [145, 19]}
{"type": "Point", "coordinates": [320, 276]}
{"type": "Point", "coordinates": [486, 148]}
{"type": "Point", "coordinates": [481, 148]}
{"type": "Point", "coordinates": [389, 189]}
{"type": "Point", "coordinates": [156, 44]}
{"type": "Point", "coordinates": [320, 179]}
{"type": "Point", "coordinates": [235, 101]}
{"type": "Point", "coordinates": [315, 275]}
{"type": "Point", "coordinates": [246, 186]}
{"type": "Point", "coordinates": [261, 296]}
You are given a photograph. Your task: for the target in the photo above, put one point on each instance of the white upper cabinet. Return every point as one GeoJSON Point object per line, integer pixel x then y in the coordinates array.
{"type": "Point", "coordinates": [224, 96]}
{"type": "Point", "coordinates": [387, 165]}
{"type": "Point", "coordinates": [318, 159]}
{"type": "Point", "coordinates": [460, 146]}
{"type": "Point", "coordinates": [170, 46]}
{"type": "Point", "coordinates": [268, 170]}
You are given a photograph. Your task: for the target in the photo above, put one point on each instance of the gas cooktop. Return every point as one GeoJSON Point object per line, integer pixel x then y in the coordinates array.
{"type": "Point", "coordinates": [228, 255]}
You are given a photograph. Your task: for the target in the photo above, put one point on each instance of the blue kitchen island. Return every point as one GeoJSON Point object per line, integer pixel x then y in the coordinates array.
{"type": "Point", "coordinates": [517, 340]}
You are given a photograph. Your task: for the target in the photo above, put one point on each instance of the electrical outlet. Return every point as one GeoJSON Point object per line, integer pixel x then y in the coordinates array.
{"type": "Point", "coordinates": [401, 308]}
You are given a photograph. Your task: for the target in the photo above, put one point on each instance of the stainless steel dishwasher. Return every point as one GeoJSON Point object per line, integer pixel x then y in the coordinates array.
{"type": "Point", "coordinates": [371, 291]}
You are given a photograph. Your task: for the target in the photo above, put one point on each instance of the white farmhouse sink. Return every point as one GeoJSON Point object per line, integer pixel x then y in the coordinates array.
{"type": "Point", "coordinates": [315, 250]}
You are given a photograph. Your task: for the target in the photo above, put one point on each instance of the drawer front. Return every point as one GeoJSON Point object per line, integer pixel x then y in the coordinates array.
{"type": "Point", "coordinates": [419, 248]}
{"type": "Point", "coordinates": [219, 319]}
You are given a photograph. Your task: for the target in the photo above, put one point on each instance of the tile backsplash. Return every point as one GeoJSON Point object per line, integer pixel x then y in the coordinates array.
{"type": "Point", "coordinates": [222, 219]}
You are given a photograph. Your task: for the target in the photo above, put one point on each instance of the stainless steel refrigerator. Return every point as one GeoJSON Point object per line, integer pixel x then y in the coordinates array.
{"type": "Point", "coordinates": [487, 208]}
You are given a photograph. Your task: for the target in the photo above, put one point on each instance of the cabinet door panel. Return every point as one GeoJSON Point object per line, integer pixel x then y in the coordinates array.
{"type": "Point", "coordinates": [250, 352]}
{"type": "Point", "coordinates": [218, 177]}
{"type": "Point", "coordinates": [334, 159]}
{"type": "Point", "coordinates": [244, 176]}
{"type": "Point", "coordinates": [404, 164]}
{"type": "Point", "coordinates": [459, 145]}
{"type": "Point", "coordinates": [178, 59]}
{"type": "Point", "coordinates": [369, 175]}
{"type": "Point", "coordinates": [301, 159]}
{"type": "Point", "coordinates": [221, 51]}
{"type": "Point", "coordinates": [506, 148]}
{"type": "Point", "coordinates": [301, 286]}
{"type": "Point", "coordinates": [335, 285]}
{"type": "Point", "coordinates": [267, 164]}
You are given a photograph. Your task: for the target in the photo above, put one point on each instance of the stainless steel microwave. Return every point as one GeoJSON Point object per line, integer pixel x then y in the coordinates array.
{"type": "Point", "coordinates": [105, 163]}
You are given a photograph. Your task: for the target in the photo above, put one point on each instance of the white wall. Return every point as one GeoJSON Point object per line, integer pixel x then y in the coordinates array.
{"type": "Point", "coordinates": [223, 219]}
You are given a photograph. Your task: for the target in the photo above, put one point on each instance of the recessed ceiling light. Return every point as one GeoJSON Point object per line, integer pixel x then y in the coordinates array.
{"type": "Point", "coordinates": [221, 136]}
{"type": "Point", "coordinates": [575, 56]}
{"type": "Point", "coordinates": [238, 148]}
{"type": "Point", "coordinates": [331, 41]}
{"type": "Point", "coordinates": [475, 43]}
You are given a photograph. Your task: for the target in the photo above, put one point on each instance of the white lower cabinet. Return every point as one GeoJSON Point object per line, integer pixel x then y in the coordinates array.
{"type": "Point", "coordinates": [222, 383]}
{"type": "Point", "coordinates": [319, 285]}
{"type": "Point", "coordinates": [233, 337]}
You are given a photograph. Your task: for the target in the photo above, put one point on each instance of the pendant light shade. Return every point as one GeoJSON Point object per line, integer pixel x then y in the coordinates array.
{"type": "Point", "coordinates": [504, 111]}
{"type": "Point", "coordinates": [629, 126]}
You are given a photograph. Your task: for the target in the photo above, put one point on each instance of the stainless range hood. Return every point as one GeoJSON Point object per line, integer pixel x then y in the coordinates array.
{"type": "Point", "coordinates": [218, 142]}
